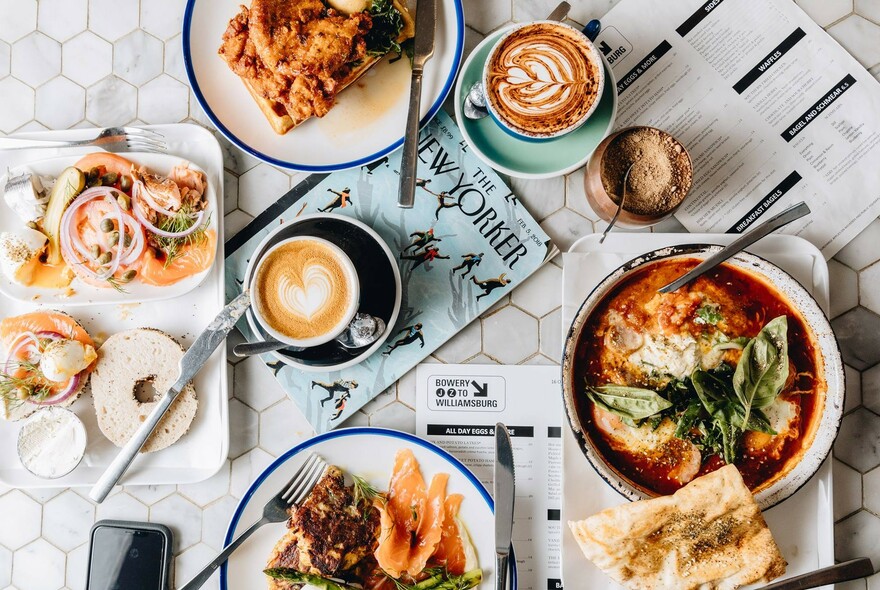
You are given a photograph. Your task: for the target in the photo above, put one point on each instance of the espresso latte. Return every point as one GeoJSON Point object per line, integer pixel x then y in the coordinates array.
{"type": "Point", "coordinates": [305, 290]}
{"type": "Point", "coordinates": [543, 79]}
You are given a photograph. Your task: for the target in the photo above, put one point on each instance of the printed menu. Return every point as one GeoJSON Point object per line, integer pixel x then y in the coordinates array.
{"type": "Point", "coordinates": [772, 110]}
{"type": "Point", "coordinates": [457, 407]}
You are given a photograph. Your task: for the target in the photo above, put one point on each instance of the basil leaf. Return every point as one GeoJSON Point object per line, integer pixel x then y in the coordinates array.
{"type": "Point", "coordinates": [633, 403]}
{"type": "Point", "coordinates": [759, 422]}
{"type": "Point", "coordinates": [762, 369]}
{"type": "Point", "coordinates": [736, 343]}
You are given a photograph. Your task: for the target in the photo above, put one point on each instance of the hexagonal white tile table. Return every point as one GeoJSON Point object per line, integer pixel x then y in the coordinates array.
{"type": "Point", "coordinates": [71, 63]}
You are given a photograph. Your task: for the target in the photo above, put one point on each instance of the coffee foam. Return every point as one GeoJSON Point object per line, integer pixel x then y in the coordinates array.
{"type": "Point", "coordinates": [542, 79]}
{"type": "Point", "coordinates": [304, 290]}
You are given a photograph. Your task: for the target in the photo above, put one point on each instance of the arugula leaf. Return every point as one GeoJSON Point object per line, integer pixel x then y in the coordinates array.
{"type": "Point", "coordinates": [688, 419]}
{"type": "Point", "coordinates": [633, 403]}
{"type": "Point", "coordinates": [387, 24]}
{"type": "Point", "coordinates": [709, 313]}
{"type": "Point", "coordinates": [762, 369]}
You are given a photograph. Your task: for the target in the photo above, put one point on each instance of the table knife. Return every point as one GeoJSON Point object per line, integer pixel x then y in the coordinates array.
{"type": "Point", "coordinates": [193, 360]}
{"type": "Point", "coordinates": [505, 491]}
{"type": "Point", "coordinates": [423, 49]}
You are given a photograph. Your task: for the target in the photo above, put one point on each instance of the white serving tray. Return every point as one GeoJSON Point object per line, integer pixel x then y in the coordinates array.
{"type": "Point", "coordinates": [202, 451]}
{"type": "Point", "coordinates": [803, 525]}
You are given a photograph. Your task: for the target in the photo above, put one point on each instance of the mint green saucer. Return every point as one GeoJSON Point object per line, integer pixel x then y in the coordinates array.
{"type": "Point", "coordinates": [529, 159]}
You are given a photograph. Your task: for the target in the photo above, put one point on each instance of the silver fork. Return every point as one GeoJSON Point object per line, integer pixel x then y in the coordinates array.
{"type": "Point", "coordinates": [112, 139]}
{"type": "Point", "coordinates": [276, 510]}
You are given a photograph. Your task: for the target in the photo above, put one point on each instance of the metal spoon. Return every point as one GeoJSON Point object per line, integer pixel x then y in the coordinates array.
{"type": "Point", "coordinates": [362, 331]}
{"type": "Point", "coordinates": [619, 206]}
{"type": "Point", "coordinates": [475, 101]}
{"type": "Point", "coordinates": [741, 243]}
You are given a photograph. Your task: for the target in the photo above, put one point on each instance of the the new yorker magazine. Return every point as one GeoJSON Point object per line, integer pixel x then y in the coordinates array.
{"type": "Point", "coordinates": [467, 242]}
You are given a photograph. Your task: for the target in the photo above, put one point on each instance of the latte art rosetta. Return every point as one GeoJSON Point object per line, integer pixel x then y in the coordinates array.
{"type": "Point", "coordinates": [542, 79]}
{"type": "Point", "coordinates": [305, 290]}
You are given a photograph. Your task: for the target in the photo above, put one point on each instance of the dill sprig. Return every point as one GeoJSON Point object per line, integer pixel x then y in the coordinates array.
{"type": "Point", "coordinates": [31, 384]}
{"type": "Point", "coordinates": [364, 491]}
{"type": "Point", "coordinates": [181, 221]}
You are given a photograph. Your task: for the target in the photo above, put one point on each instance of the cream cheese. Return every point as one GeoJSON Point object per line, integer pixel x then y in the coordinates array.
{"type": "Point", "coordinates": [51, 442]}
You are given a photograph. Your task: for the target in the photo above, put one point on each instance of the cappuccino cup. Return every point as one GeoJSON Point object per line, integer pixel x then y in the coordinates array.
{"type": "Point", "coordinates": [305, 291]}
{"type": "Point", "coordinates": [542, 80]}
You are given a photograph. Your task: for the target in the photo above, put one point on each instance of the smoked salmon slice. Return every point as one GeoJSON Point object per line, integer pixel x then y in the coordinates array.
{"type": "Point", "coordinates": [41, 321]}
{"type": "Point", "coordinates": [411, 518]}
{"type": "Point", "coordinates": [193, 259]}
{"type": "Point", "coordinates": [451, 551]}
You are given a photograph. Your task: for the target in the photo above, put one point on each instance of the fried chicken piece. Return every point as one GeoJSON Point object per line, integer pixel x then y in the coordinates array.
{"type": "Point", "coordinates": [306, 37]}
{"type": "Point", "coordinates": [240, 54]}
{"type": "Point", "coordinates": [306, 49]}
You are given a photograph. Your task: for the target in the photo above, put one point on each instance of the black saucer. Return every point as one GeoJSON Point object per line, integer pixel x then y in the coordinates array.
{"type": "Point", "coordinates": [376, 273]}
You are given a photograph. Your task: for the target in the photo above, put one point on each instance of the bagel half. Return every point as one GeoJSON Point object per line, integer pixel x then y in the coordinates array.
{"type": "Point", "coordinates": [49, 320]}
{"type": "Point", "coordinates": [127, 359]}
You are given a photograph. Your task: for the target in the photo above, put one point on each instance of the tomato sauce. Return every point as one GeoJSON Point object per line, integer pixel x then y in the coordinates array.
{"type": "Point", "coordinates": [747, 303]}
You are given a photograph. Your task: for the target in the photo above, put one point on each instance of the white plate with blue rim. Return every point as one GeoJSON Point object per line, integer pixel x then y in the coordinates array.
{"type": "Point", "coordinates": [368, 453]}
{"type": "Point", "coordinates": [369, 117]}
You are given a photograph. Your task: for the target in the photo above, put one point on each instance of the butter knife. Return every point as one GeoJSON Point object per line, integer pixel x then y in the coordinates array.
{"type": "Point", "coordinates": [505, 492]}
{"type": "Point", "coordinates": [193, 360]}
{"type": "Point", "coordinates": [423, 49]}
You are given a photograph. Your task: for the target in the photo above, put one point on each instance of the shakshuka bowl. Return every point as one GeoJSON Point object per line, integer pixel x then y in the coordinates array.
{"type": "Point", "coordinates": [823, 419]}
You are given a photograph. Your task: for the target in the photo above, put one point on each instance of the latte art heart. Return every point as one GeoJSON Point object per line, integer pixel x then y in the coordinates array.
{"type": "Point", "coordinates": [305, 290]}
{"type": "Point", "coordinates": [542, 79]}
{"type": "Point", "coordinates": [309, 298]}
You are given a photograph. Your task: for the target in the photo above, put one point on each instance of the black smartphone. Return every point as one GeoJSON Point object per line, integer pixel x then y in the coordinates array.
{"type": "Point", "coordinates": [129, 556]}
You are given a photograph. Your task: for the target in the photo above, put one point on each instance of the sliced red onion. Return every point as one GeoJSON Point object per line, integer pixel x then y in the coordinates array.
{"type": "Point", "coordinates": [63, 395]}
{"type": "Point", "coordinates": [26, 338]}
{"type": "Point", "coordinates": [143, 191]}
{"type": "Point", "coordinates": [68, 236]}
{"type": "Point", "coordinates": [23, 340]}
{"type": "Point", "coordinates": [197, 222]}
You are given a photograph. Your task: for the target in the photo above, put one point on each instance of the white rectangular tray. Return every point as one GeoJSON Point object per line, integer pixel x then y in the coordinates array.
{"type": "Point", "coordinates": [806, 540]}
{"type": "Point", "coordinates": [202, 451]}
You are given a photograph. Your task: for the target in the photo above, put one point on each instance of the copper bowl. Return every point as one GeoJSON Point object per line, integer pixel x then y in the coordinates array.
{"type": "Point", "coordinates": [602, 203]}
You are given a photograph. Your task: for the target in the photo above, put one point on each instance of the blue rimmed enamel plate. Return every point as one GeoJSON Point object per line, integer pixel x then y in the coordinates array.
{"type": "Point", "coordinates": [368, 120]}
{"type": "Point", "coordinates": [369, 453]}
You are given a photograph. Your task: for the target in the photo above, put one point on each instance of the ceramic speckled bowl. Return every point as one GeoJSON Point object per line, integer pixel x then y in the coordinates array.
{"type": "Point", "coordinates": [828, 416]}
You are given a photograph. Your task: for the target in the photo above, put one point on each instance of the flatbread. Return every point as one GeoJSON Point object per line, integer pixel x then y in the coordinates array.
{"type": "Point", "coordinates": [710, 534]}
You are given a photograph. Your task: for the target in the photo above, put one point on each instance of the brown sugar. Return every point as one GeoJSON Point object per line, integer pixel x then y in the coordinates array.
{"type": "Point", "coordinates": [661, 174]}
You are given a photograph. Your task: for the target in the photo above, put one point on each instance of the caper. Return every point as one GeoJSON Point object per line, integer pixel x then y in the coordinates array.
{"type": "Point", "coordinates": [125, 183]}
{"type": "Point", "coordinates": [107, 225]}
{"type": "Point", "coordinates": [114, 239]}
{"type": "Point", "coordinates": [33, 225]}
{"type": "Point", "coordinates": [109, 179]}
{"type": "Point", "coordinates": [126, 240]}
{"type": "Point", "coordinates": [96, 251]}
{"type": "Point", "coordinates": [129, 275]}
{"type": "Point", "coordinates": [92, 174]}
{"type": "Point", "coordinates": [105, 258]}
{"type": "Point", "coordinates": [23, 392]}
{"type": "Point", "coordinates": [124, 202]}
